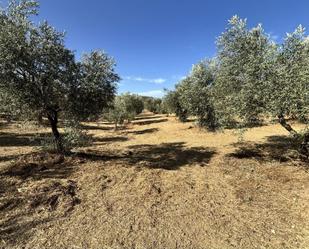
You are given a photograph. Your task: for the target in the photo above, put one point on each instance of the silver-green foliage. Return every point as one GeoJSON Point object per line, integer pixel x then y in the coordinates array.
{"type": "Point", "coordinates": [125, 108]}
{"type": "Point", "coordinates": [94, 89]}
{"type": "Point", "coordinates": [173, 104]}
{"type": "Point", "coordinates": [245, 58]}
{"type": "Point", "coordinates": [253, 78]}
{"type": "Point", "coordinates": [38, 70]}
{"type": "Point", "coordinates": [288, 93]}
{"type": "Point", "coordinates": [195, 93]}
{"type": "Point", "coordinates": [153, 104]}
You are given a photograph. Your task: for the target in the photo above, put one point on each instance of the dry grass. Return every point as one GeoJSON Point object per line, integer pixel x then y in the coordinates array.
{"type": "Point", "coordinates": [156, 184]}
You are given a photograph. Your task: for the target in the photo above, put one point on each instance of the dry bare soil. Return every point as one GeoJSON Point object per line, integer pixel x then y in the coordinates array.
{"type": "Point", "coordinates": [156, 184]}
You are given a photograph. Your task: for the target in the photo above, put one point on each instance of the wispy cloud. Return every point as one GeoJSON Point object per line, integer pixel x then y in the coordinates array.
{"type": "Point", "coordinates": [273, 36]}
{"type": "Point", "coordinates": [178, 77]}
{"type": "Point", "coordinates": [153, 93]}
{"type": "Point", "coordinates": [141, 79]}
{"type": "Point", "coordinates": [158, 81]}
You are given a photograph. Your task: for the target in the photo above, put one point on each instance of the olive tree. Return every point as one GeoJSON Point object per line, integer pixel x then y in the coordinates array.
{"type": "Point", "coordinates": [94, 88]}
{"type": "Point", "coordinates": [195, 93]}
{"type": "Point", "coordinates": [152, 104]}
{"type": "Point", "coordinates": [244, 70]}
{"type": "Point", "coordinates": [173, 104]}
{"type": "Point", "coordinates": [288, 92]}
{"type": "Point", "coordinates": [136, 104]}
{"type": "Point", "coordinates": [39, 70]}
{"type": "Point", "coordinates": [8, 107]}
{"type": "Point", "coordinates": [125, 108]}
{"type": "Point", "coordinates": [256, 76]}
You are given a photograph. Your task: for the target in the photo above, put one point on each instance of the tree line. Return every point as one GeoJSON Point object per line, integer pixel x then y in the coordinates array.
{"type": "Point", "coordinates": [41, 78]}
{"type": "Point", "coordinates": [250, 78]}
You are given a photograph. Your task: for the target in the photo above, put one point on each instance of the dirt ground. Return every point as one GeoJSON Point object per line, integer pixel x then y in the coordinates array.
{"type": "Point", "coordinates": [157, 184]}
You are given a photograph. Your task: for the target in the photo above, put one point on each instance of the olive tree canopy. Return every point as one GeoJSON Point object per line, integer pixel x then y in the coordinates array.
{"type": "Point", "coordinates": [39, 70]}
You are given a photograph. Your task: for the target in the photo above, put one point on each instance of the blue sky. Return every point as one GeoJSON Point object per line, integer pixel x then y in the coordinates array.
{"type": "Point", "coordinates": [155, 42]}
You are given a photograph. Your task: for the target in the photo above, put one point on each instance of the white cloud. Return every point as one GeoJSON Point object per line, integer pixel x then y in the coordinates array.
{"type": "Point", "coordinates": [159, 81]}
{"type": "Point", "coordinates": [178, 77]}
{"type": "Point", "coordinates": [153, 93]}
{"type": "Point", "coordinates": [140, 79]}
{"type": "Point", "coordinates": [273, 36]}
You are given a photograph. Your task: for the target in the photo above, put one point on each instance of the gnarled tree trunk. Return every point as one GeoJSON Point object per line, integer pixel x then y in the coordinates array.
{"type": "Point", "coordinates": [304, 146]}
{"type": "Point", "coordinates": [288, 127]}
{"type": "Point", "coordinates": [52, 116]}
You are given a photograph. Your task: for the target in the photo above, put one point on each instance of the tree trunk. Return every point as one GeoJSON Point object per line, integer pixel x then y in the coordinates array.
{"type": "Point", "coordinates": [8, 118]}
{"type": "Point", "coordinates": [53, 120]}
{"type": "Point", "coordinates": [288, 127]}
{"type": "Point", "coordinates": [304, 146]}
{"type": "Point", "coordinates": [40, 118]}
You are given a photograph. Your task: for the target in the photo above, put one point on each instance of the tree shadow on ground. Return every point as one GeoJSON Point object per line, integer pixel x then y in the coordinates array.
{"type": "Point", "coordinates": [146, 117]}
{"type": "Point", "coordinates": [276, 148]}
{"type": "Point", "coordinates": [37, 139]}
{"type": "Point", "coordinates": [22, 139]}
{"type": "Point", "coordinates": [239, 125]}
{"type": "Point", "coordinates": [97, 156]}
{"type": "Point", "coordinates": [105, 140]}
{"type": "Point", "coordinates": [169, 156]}
{"type": "Point", "coordinates": [141, 132]}
{"type": "Point", "coordinates": [39, 166]}
{"type": "Point", "coordinates": [148, 122]}
{"type": "Point", "coordinates": [93, 127]}
{"type": "Point", "coordinates": [7, 158]}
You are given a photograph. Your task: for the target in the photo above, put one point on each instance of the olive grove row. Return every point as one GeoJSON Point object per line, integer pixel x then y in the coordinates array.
{"type": "Point", "coordinates": [251, 78]}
